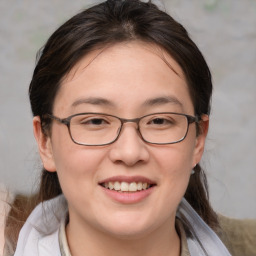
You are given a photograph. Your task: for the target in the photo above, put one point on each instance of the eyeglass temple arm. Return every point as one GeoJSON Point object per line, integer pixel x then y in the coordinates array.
{"type": "Point", "coordinates": [63, 121]}
{"type": "Point", "coordinates": [192, 119]}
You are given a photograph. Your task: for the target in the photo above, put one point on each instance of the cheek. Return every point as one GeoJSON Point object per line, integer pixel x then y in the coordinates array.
{"type": "Point", "coordinates": [174, 159]}
{"type": "Point", "coordinates": [174, 168]}
{"type": "Point", "coordinates": [173, 174]}
{"type": "Point", "coordinates": [76, 165]}
{"type": "Point", "coordinates": [77, 172]}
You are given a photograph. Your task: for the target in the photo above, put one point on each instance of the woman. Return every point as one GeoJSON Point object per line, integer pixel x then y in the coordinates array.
{"type": "Point", "coordinates": [121, 102]}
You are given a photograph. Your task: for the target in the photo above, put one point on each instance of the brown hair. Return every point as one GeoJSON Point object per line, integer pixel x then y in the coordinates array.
{"type": "Point", "coordinates": [108, 23]}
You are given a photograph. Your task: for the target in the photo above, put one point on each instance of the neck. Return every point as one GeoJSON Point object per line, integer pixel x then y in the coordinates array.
{"type": "Point", "coordinates": [85, 240]}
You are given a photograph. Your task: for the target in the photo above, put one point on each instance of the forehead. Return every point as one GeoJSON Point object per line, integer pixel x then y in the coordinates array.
{"type": "Point", "coordinates": [105, 56]}
{"type": "Point", "coordinates": [131, 72]}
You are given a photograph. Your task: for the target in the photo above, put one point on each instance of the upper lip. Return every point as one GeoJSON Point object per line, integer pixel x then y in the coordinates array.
{"type": "Point", "coordinates": [128, 179]}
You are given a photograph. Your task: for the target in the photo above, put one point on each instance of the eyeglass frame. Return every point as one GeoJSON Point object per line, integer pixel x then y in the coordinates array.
{"type": "Point", "coordinates": [66, 121]}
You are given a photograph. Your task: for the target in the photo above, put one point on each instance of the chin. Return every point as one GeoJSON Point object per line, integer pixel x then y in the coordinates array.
{"type": "Point", "coordinates": [128, 233]}
{"type": "Point", "coordinates": [128, 227]}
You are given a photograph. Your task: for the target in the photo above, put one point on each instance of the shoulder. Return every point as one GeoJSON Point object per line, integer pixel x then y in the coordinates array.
{"type": "Point", "coordinates": [239, 235]}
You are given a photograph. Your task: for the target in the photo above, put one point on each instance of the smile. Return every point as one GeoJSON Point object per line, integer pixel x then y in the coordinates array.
{"type": "Point", "coordinates": [126, 186]}
{"type": "Point", "coordinates": [128, 189]}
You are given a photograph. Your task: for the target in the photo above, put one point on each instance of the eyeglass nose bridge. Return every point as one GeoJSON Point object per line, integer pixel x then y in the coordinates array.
{"type": "Point", "coordinates": [133, 120]}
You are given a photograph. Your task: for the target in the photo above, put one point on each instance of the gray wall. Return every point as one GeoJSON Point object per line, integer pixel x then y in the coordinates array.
{"type": "Point", "coordinates": [225, 31]}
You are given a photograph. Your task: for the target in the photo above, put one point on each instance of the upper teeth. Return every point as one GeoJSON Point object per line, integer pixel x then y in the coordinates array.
{"type": "Point", "coordinates": [125, 186]}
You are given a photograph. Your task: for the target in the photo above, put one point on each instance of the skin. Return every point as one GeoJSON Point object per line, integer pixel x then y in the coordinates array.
{"type": "Point", "coordinates": [127, 75]}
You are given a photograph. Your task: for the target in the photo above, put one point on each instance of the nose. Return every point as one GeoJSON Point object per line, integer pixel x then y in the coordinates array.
{"type": "Point", "coordinates": [129, 148]}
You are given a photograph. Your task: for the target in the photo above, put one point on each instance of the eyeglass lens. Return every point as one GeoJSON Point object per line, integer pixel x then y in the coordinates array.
{"type": "Point", "coordinates": [100, 129]}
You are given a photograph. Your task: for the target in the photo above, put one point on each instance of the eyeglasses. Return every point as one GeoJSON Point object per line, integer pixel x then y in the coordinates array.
{"type": "Point", "coordinates": [98, 129]}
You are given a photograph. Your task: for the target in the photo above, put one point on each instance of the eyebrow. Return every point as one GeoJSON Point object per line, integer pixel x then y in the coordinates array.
{"type": "Point", "coordinates": [94, 101]}
{"type": "Point", "coordinates": [148, 103]}
{"type": "Point", "coordinates": [162, 101]}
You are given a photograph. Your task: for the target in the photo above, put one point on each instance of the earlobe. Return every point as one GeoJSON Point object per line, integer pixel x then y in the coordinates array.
{"type": "Point", "coordinates": [200, 140]}
{"type": "Point", "coordinates": [44, 145]}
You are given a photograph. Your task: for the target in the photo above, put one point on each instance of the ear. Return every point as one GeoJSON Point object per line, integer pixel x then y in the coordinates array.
{"type": "Point", "coordinates": [200, 139]}
{"type": "Point", "coordinates": [44, 145]}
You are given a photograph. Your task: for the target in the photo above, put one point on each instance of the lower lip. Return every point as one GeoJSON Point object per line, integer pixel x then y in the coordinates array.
{"type": "Point", "coordinates": [128, 197]}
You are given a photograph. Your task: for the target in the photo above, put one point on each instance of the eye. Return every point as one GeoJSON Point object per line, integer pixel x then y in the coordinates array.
{"type": "Point", "coordinates": [161, 121]}
{"type": "Point", "coordinates": [97, 121]}
{"type": "Point", "coordinates": [158, 121]}
{"type": "Point", "coordinates": [94, 121]}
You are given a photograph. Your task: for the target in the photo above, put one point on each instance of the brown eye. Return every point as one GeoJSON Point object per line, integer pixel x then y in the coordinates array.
{"type": "Point", "coordinates": [94, 121]}
{"type": "Point", "coordinates": [158, 121]}
{"type": "Point", "coordinates": [161, 121]}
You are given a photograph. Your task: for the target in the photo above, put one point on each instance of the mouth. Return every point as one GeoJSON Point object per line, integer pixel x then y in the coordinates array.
{"type": "Point", "coordinates": [127, 184]}
{"type": "Point", "coordinates": [127, 187]}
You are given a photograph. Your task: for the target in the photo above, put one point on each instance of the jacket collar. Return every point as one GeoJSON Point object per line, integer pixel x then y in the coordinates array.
{"type": "Point", "coordinates": [40, 234]}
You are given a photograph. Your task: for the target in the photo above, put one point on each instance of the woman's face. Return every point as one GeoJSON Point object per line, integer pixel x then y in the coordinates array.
{"type": "Point", "coordinates": [127, 80]}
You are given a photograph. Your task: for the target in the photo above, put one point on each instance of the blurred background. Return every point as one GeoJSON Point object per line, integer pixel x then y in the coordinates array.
{"type": "Point", "coordinates": [225, 32]}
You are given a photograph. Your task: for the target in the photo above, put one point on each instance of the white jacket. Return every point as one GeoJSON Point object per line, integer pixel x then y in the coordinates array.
{"type": "Point", "coordinates": [40, 234]}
